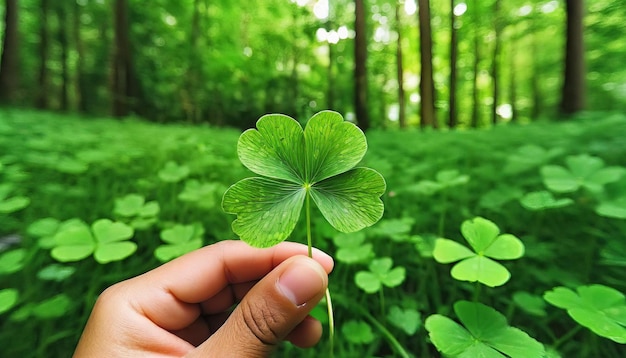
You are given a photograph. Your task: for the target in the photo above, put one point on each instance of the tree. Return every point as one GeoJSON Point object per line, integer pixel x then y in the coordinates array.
{"type": "Point", "coordinates": [573, 90]}
{"type": "Point", "coordinates": [62, 38]}
{"type": "Point", "coordinates": [400, 69]}
{"type": "Point", "coordinates": [360, 67]}
{"type": "Point", "coordinates": [495, 64]}
{"type": "Point", "coordinates": [427, 86]}
{"type": "Point", "coordinates": [475, 96]}
{"type": "Point", "coordinates": [454, 50]}
{"type": "Point", "coordinates": [9, 62]}
{"type": "Point", "coordinates": [124, 82]}
{"type": "Point", "coordinates": [41, 100]}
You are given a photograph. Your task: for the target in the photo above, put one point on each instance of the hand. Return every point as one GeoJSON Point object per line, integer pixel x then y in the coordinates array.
{"type": "Point", "coordinates": [183, 308]}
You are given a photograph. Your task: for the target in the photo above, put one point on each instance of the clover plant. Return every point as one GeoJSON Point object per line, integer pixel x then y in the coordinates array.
{"type": "Point", "coordinates": [485, 333]}
{"type": "Point", "coordinates": [12, 261]}
{"type": "Point", "coordinates": [582, 171]}
{"type": "Point", "coordinates": [600, 308]}
{"type": "Point", "coordinates": [134, 209]}
{"type": "Point", "coordinates": [357, 332]}
{"type": "Point", "coordinates": [478, 265]}
{"type": "Point", "coordinates": [10, 204]}
{"type": "Point", "coordinates": [179, 240]}
{"type": "Point", "coordinates": [8, 299]}
{"type": "Point", "coordinates": [407, 319]}
{"type": "Point", "coordinates": [105, 239]}
{"type": "Point", "coordinates": [351, 248]}
{"type": "Point", "coordinates": [542, 200]}
{"type": "Point", "coordinates": [296, 165]}
{"type": "Point", "coordinates": [380, 274]}
{"type": "Point", "coordinates": [173, 173]}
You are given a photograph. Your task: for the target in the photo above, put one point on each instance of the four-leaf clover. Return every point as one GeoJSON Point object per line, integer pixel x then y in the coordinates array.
{"type": "Point", "coordinates": [295, 164]}
{"type": "Point", "coordinates": [484, 237]}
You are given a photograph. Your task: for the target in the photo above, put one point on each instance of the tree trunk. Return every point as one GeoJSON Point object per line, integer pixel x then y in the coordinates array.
{"type": "Point", "coordinates": [454, 49]}
{"type": "Point", "coordinates": [573, 91]}
{"type": "Point", "coordinates": [80, 52]}
{"type": "Point", "coordinates": [330, 76]}
{"type": "Point", "coordinates": [513, 79]}
{"type": "Point", "coordinates": [400, 70]}
{"type": "Point", "coordinates": [41, 100]}
{"type": "Point", "coordinates": [495, 65]}
{"type": "Point", "coordinates": [427, 87]}
{"type": "Point", "coordinates": [475, 99]}
{"type": "Point", "coordinates": [360, 67]}
{"type": "Point", "coordinates": [62, 39]}
{"type": "Point", "coordinates": [9, 62]}
{"type": "Point", "coordinates": [123, 90]}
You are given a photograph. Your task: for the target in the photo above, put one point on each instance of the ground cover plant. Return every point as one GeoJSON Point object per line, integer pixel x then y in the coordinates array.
{"type": "Point", "coordinates": [87, 202]}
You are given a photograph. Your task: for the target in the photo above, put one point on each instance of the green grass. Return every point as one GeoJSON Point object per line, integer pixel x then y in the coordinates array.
{"type": "Point", "coordinates": [67, 169]}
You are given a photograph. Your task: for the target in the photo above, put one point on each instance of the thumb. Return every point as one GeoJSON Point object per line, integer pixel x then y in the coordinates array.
{"type": "Point", "coordinates": [270, 311]}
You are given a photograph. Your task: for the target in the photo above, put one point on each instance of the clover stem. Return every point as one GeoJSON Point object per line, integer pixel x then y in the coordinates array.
{"type": "Point", "coordinates": [477, 289]}
{"type": "Point", "coordinates": [329, 303]}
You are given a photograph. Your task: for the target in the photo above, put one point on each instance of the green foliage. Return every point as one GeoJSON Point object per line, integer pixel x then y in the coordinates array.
{"type": "Point", "coordinates": [484, 237]}
{"type": "Point", "coordinates": [408, 320]}
{"type": "Point", "coordinates": [106, 240]}
{"type": "Point", "coordinates": [380, 274]}
{"type": "Point", "coordinates": [357, 332]}
{"type": "Point", "coordinates": [8, 299]}
{"type": "Point", "coordinates": [318, 161]}
{"type": "Point", "coordinates": [485, 333]}
{"type": "Point", "coordinates": [600, 308]}
{"type": "Point", "coordinates": [542, 200]}
{"type": "Point", "coordinates": [179, 240]}
{"type": "Point", "coordinates": [583, 171]}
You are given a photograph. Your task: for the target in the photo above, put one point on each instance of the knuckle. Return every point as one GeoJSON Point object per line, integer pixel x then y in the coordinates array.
{"type": "Point", "coordinates": [262, 321]}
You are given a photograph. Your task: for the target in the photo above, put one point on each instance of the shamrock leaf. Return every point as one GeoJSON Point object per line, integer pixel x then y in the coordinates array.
{"type": "Point", "coordinates": [444, 179]}
{"type": "Point", "coordinates": [179, 239]}
{"type": "Point", "coordinates": [600, 308]}
{"type": "Point", "coordinates": [11, 204]}
{"type": "Point", "coordinates": [173, 173]}
{"type": "Point", "coordinates": [485, 333]}
{"type": "Point", "coordinates": [351, 247]}
{"type": "Point", "coordinates": [409, 320]}
{"type": "Point", "coordinates": [135, 209]}
{"type": "Point", "coordinates": [541, 200]}
{"type": "Point", "coordinates": [582, 171]}
{"type": "Point", "coordinates": [8, 299]}
{"type": "Point", "coordinates": [295, 164]}
{"type": "Point", "coordinates": [106, 240]}
{"type": "Point", "coordinates": [615, 208]}
{"type": "Point", "coordinates": [380, 273]}
{"type": "Point", "coordinates": [357, 332]}
{"type": "Point", "coordinates": [484, 237]}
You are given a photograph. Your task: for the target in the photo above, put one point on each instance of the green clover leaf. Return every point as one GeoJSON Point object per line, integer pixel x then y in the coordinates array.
{"type": "Point", "coordinates": [600, 308]}
{"type": "Point", "coordinates": [179, 239]}
{"type": "Point", "coordinates": [542, 200]}
{"type": "Point", "coordinates": [295, 164]}
{"type": "Point", "coordinates": [357, 332]}
{"type": "Point", "coordinates": [8, 299]}
{"type": "Point", "coordinates": [380, 274]}
{"type": "Point", "coordinates": [134, 209]}
{"type": "Point", "coordinates": [408, 320]}
{"type": "Point", "coordinates": [351, 247]}
{"type": "Point", "coordinates": [173, 173]}
{"type": "Point", "coordinates": [484, 237]}
{"type": "Point", "coordinates": [11, 204]}
{"type": "Point", "coordinates": [582, 171]}
{"type": "Point", "coordinates": [485, 333]}
{"type": "Point", "coordinates": [106, 240]}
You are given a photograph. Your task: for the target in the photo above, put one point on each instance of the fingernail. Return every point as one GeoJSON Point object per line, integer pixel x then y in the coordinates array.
{"type": "Point", "coordinates": [302, 281]}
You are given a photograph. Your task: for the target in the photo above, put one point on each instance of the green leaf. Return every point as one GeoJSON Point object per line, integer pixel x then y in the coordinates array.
{"type": "Point", "coordinates": [8, 299]}
{"type": "Point", "coordinates": [505, 247]}
{"type": "Point", "coordinates": [53, 307]}
{"type": "Point", "coordinates": [274, 149]}
{"type": "Point", "coordinates": [107, 231]}
{"type": "Point", "coordinates": [114, 251]}
{"type": "Point", "coordinates": [333, 146]}
{"type": "Point", "coordinates": [351, 201]}
{"type": "Point", "coordinates": [73, 242]}
{"type": "Point", "coordinates": [129, 206]}
{"type": "Point", "coordinates": [12, 261]}
{"type": "Point", "coordinates": [532, 304]}
{"type": "Point", "coordinates": [600, 308]}
{"type": "Point", "coordinates": [367, 281]}
{"type": "Point", "coordinates": [267, 210]}
{"type": "Point", "coordinates": [173, 173]}
{"type": "Point", "coordinates": [540, 200]}
{"type": "Point", "coordinates": [451, 177]}
{"type": "Point", "coordinates": [481, 269]}
{"type": "Point", "coordinates": [558, 179]}
{"type": "Point", "coordinates": [480, 233]}
{"type": "Point", "coordinates": [447, 251]}
{"type": "Point", "coordinates": [397, 230]}
{"type": "Point", "coordinates": [486, 334]}
{"type": "Point", "coordinates": [615, 209]}
{"type": "Point", "coordinates": [166, 253]}
{"type": "Point", "coordinates": [43, 227]}
{"type": "Point", "coordinates": [56, 272]}
{"type": "Point", "coordinates": [408, 320]}
{"type": "Point", "coordinates": [357, 332]}
{"type": "Point", "coordinates": [13, 204]}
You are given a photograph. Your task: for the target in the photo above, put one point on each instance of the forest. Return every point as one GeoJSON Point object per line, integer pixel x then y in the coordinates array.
{"type": "Point", "coordinates": [471, 191]}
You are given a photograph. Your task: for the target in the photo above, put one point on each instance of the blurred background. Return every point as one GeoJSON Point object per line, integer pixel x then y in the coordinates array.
{"type": "Point", "coordinates": [382, 63]}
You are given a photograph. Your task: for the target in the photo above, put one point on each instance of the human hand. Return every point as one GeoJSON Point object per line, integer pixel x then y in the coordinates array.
{"type": "Point", "coordinates": [183, 308]}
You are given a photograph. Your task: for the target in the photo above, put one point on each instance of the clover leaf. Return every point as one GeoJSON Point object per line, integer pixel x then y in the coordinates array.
{"type": "Point", "coordinates": [615, 208]}
{"type": "Point", "coordinates": [11, 204]}
{"type": "Point", "coordinates": [582, 171]}
{"type": "Point", "coordinates": [443, 179]}
{"type": "Point", "coordinates": [8, 299]}
{"type": "Point", "coordinates": [351, 247]}
{"type": "Point", "coordinates": [541, 200]}
{"type": "Point", "coordinates": [173, 173]}
{"type": "Point", "coordinates": [485, 333]}
{"type": "Point", "coordinates": [106, 240]}
{"type": "Point", "coordinates": [357, 332]}
{"type": "Point", "coordinates": [135, 209]}
{"type": "Point", "coordinates": [600, 308]}
{"type": "Point", "coordinates": [408, 320]}
{"type": "Point", "coordinates": [484, 237]}
{"type": "Point", "coordinates": [380, 274]}
{"type": "Point", "coordinates": [179, 239]}
{"type": "Point", "coordinates": [295, 164]}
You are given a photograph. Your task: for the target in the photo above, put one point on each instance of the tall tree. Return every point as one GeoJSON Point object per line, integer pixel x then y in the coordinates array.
{"type": "Point", "coordinates": [427, 86]}
{"type": "Point", "coordinates": [475, 99]}
{"type": "Point", "coordinates": [360, 65]}
{"type": "Point", "coordinates": [80, 55]}
{"type": "Point", "coordinates": [9, 61]}
{"type": "Point", "coordinates": [454, 50]}
{"type": "Point", "coordinates": [495, 62]}
{"type": "Point", "coordinates": [41, 100]}
{"type": "Point", "coordinates": [62, 38]}
{"type": "Point", "coordinates": [400, 69]}
{"type": "Point", "coordinates": [124, 82]}
{"type": "Point", "coordinates": [573, 90]}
